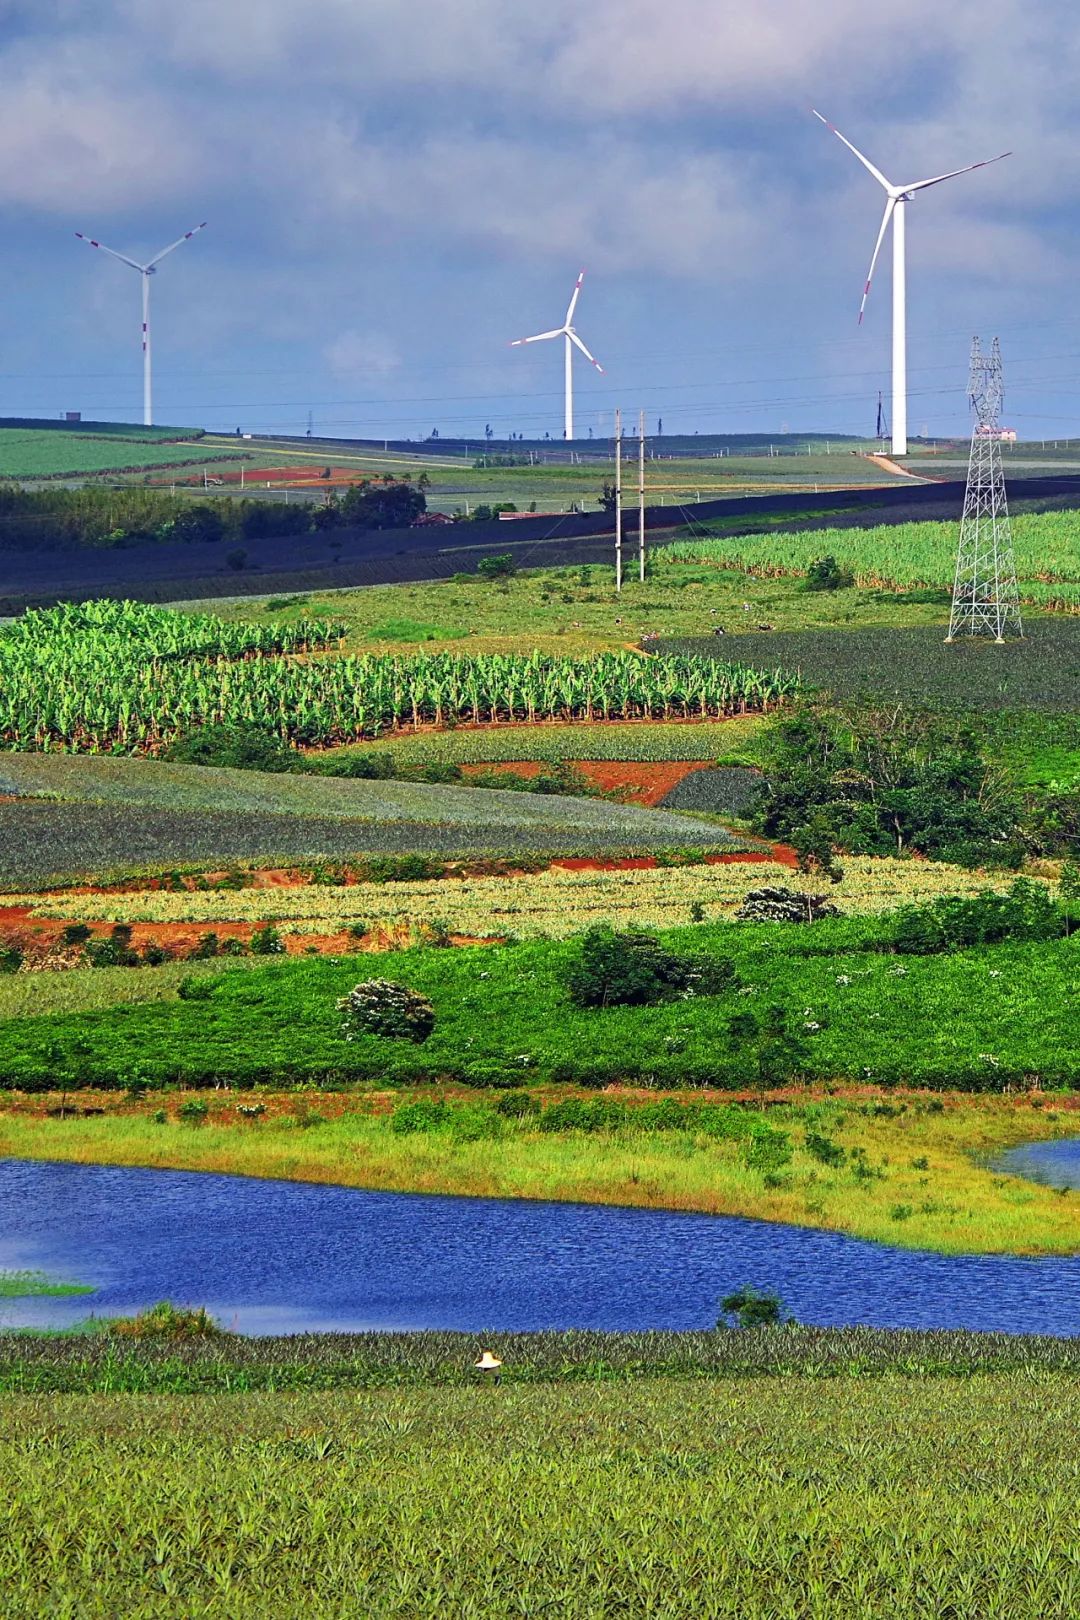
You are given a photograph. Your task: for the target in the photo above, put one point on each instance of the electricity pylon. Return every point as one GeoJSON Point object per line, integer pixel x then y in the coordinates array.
{"type": "Point", "coordinates": [985, 600]}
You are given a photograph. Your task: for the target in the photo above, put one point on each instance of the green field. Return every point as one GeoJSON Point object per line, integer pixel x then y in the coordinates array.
{"type": "Point", "coordinates": [901, 555]}
{"type": "Point", "coordinates": [29, 453]}
{"type": "Point", "coordinates": [755, 1499]}
{"type": "Point", "coordinates": [975, 1019]}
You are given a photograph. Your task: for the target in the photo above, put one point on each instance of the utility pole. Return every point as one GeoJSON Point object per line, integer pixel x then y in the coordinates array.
{"type": "Point", "coordinates": [985, 599]}
{"type": "Point", "coordinates": [618, 499]}
{"type": "Point", "coordinates": [641, 495]}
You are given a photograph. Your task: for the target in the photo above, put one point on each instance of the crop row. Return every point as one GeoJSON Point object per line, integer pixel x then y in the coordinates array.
{"type": "Point", "coordinates": [91, 691]}
{"type": "Point", "coordinates": [551, 904]}
{"type": "Point", "coordinates": [95, 636]}
{"type": "Point", "coordinates": [26, 453]}
{"type": "Point", "coordinates": [738, 1500]}
{"type": "Point", "coordinates": [1046, 547]}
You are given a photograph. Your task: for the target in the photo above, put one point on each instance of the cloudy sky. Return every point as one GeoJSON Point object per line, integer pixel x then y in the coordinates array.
{"type": "Point", "coordinates": [395, 188]}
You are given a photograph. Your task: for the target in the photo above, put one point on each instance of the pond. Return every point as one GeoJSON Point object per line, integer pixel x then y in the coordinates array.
{"type": "Point", "coordinates": [286, 1257]}
{"type": "Point", "coordinates": [1054, 1164]}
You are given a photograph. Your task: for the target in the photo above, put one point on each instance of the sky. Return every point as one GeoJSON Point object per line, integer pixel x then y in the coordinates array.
{"type": "Point", "coordinates": [394, 189]}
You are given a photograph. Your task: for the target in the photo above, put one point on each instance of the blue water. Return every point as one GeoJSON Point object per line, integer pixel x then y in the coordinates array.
{"type": "Point", "coordinates": [1055, 1164]}
{"type": "Point", "coordinates": [286, 1257]}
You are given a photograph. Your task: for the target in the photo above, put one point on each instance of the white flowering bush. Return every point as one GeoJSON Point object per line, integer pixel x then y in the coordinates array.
{"type": "Point", "coordinates": [382, 1007]}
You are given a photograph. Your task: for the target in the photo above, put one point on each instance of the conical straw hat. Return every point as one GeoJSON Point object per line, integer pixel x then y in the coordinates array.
{"type": "Point", "coordinates": [488, 1362]}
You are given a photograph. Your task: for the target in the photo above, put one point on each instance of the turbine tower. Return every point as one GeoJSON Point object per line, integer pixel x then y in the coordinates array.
{"type": "Point", "coordinates": [146, 271]}
{"type": "Point", "coordinates": [896, 201]}
{"type": "Point", "coordinates": [985, 600]}
{"type": "Point", "coordinates": [570, 342]}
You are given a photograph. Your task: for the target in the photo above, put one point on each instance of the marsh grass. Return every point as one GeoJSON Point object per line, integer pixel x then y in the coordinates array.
{"type": "Point", "coordinates": [955, 1203]}
{"type": "Point", "coordinates": [36, 1285]}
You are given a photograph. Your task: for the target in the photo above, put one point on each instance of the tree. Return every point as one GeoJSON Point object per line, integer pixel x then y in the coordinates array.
{"type": "Point", "coordinates": [394, 505]}
{"type": "Point", "coordinates": [607, 499]}
{"type": "Point", "coordinates": [887, 782]}
{"type": "Point", "coordinates": [747, 1308]}
{"type": "Point", "coordinates": [826, 575]}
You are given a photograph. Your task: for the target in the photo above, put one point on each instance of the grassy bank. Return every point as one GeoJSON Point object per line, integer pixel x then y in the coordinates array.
{"type": "Point", "coordinates": [755, 1500]}
{"type": "Point", "coordinates": [905, 1171]}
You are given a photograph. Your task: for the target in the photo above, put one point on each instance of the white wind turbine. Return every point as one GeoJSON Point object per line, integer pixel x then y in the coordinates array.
{"type": "Point", "coordinates": [146, 271]}
{"type": "Point", "coordinates": [896, 198]}
{"type": "Point", "coordinates": [571, 341]}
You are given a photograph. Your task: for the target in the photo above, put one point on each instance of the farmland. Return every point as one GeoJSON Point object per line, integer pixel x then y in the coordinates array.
{"type": "Point", "coordinates": [912, 665]}
{"type": "Point", "coordinates": [555, 903]}
{"type": "Point", "coordinates": [754, 1498]}
{"type": "Point", "coordinates": [904, 555]}
{"type": "Point", "coordinates": [32, 453]}
{"type": "Point", "coordinates": [92, 678]}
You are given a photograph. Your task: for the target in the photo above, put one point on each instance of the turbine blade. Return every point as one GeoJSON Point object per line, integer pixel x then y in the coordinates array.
{"type": "Point", "coordinates": [865, 161]}
{"type": "Point", "coordinates": [575, 339]}
{"type": "Point", "coordinates": [180, 240]}
{"type": "Point", "coordinates": [90, 242]}
{"type": "Point", "coordinates": [574, 296]}
{"type": "Point", "coordinates": [560, 331]}
{"type": "Point", "coordinates": [921, 185]}
{"type": "Point", "coordinates": [885, 218]}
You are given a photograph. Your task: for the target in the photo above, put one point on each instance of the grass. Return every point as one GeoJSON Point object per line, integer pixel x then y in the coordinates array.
{"type": "Point", "coordinates": [560, 610]}
{"type": "Point", "coordinates": [977, 1019]}
{"type": "Point", "coordinates": [754, 1499]}
{"type": "Point", "coordinates": [36, 1285]}
{"type": "Point", "coordinates": [913, 665]}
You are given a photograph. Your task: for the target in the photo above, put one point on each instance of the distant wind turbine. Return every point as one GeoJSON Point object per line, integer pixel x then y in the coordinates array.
{"type": "Point", "coordinates": [571, 341]}
{"type": "Point", "coordinates": [896, 197]}
{"type": "Point", "coordinates": [146, 271]}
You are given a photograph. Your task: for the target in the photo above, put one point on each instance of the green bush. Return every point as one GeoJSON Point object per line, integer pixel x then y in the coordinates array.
{"type": "Point", "coordinates": [825, 574]}
{"type": "Point", "coordinates": [193, 1112]}
{"type": "Point", "coordinates": [953, 923]}
{"type": "Point", "coordinates": [266, 941]}
{"type": "Point", "coordinates": [233, 745]}
{"type": "Point", "coordinates": [633, 968]}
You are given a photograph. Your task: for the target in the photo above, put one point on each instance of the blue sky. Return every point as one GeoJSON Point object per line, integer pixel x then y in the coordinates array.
{"type": "Point", "coordinates": [396, 188]}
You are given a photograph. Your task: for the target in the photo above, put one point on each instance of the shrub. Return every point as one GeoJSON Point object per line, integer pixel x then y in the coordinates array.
{"type": "Point", "coordinates": [266, 941]}
{"type": "Point", "coordinates": [115, 951]}
{"type": "Point", "coordinates": [633, 969]}
{"type": "Point", "coordinates": [777, 904]}
{"type": "Point", "coordinates": [193, 1112]}
{"type": "Point", "coordinates": [382, 1007]}
{"type": "Point", "coordinates": [166, 1321]}
{"type": "Point", "coordinates": [75, 934]}
{"type": "Point", "coordinates": [192, 989]}
{"type": "Point", "coordinates": [826, 575]}
{"type": "Point", "coordinates": [11, 959]}
{"type": "Point", "coordinates": [517, 1105]}
{"type": "Point", "coordinates": [232, 745]}
{"type": "Point", "coordinates": [1024, 911]}
{"type": "Point", "coordinates": [237, 558]}
{"type": "Point", "coordinates": [824, 1150]}
{"type": "Point", "coordinates": [206, 947]}
{"type": "Point", "coordinates": [499, 567]}
{"type": "Point", "coordinates": [428, 1114]}
{"type": "Point", "coordinates": [747, 1308]}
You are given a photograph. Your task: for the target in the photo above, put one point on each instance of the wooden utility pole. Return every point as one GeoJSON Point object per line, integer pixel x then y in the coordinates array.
{"type": "Point", "coordinates": [618, 499]}
{"type": "Point", "coordinates": [641, 495]}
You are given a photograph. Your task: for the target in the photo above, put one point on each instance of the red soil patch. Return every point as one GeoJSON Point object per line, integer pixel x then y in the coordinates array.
{"type": "Point", "coordinates": [636, 782]}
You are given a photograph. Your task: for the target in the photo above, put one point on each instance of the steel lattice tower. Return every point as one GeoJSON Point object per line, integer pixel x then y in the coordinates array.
{"type": "Point", "coordinates": [985, 600]}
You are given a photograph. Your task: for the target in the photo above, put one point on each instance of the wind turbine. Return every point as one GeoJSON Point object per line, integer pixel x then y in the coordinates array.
{"type": "Point", "coordinates": [571, 341]}
{"type": "Point", "coordinates": [896, 199]}
{"type": "Point", "coordinates": [146, 271]}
